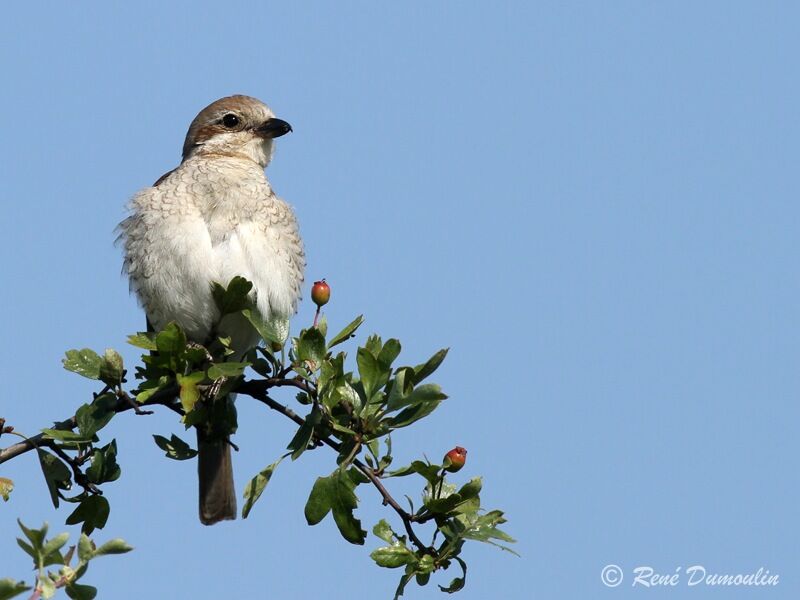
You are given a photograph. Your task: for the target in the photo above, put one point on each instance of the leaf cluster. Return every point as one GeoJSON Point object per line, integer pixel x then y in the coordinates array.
{"type": "Point", "coordinates": [72, 564]}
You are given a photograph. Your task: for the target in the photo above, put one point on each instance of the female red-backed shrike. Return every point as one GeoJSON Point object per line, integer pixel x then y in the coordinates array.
{"type": "Point", "coordinates": [212, 218]}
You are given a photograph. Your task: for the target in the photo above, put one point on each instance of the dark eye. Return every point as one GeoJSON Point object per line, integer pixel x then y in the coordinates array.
{"type": "Point", "coordinates": [230, 120]}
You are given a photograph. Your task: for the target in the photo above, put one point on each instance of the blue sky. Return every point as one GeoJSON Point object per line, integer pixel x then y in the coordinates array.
{"type": "Point", "coordinates": [594, 205]}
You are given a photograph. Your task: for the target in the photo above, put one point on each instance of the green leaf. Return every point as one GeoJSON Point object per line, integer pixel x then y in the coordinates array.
{"type": "Point", "coordinates": [319, 501]}
{"type": "Point", "coordinates": [91, 418]}
{"type": "Point", "coordinates": [233, 298]}
{"type": "Point", "coordinates": [35, 554]}
{"type": "Point", "coordinates": [458, 583]}
{"type": "Point", "coordinates": [189, 393]}
{"type": "Point", "coordinates": [35, 536]}
{"type": "Point", "coordinates": [391, 557]}
{"type": "Point", "coordinates": [407, 576]}
{"type": "Point", "coordinates": [175, 447]}
{"type": "Point", "coordinates": [56, 474]}
{"type": "Point", "coordinates": [10, 588]}
{"type": "Point", "coordinates": [412, 414]}
{"type": "Point", "coordinates": [226, 369]}
{"type": "Point", "coordinates": [384, 531]}
{"type": "Point", "coordinates": [311, 347]}
{"type": "Point", "coordinates": [335, 494]}
{"type": "Point", "coordinates": [146, 341]}
{"type": "Point", "coordinates": [275, 329]}
{"type": "Point", "coordinates": [85, 548]}
{"type": "Point", "coordinates": [481, 528]}
{"type": "Point", "coordinates": [6, 487]}
{"type": "Point", "coordinates": [46, 585]}
{"type": "Point", "coordinates": [54, 544]}
{"type": "Point", "coordinates": [322, 325]}
{"type": "Point", "coordinates": [427, 368]}
{"type": "Point", "coordinates": [115, 546]}
{"type": "Point", "coordinates": [92, 512]}
{"type": "Point", "coordinates": [150, 387]}
{"type": "Point", "coordinates": [390, 351]}
{"type": "Point", "coordinates": [112, 367]}
{"type": "Point", "coordinates": [428, 471]}
{"type": "Point", "coordinates": [84, 362]}
{"type": "Point", "coordinates": [78, 591]}
{"type": "Point", "coordinates": [373, 345]}
{"type": "Point", "coordinates": [426, 393]}
{"type": "Point", "coordinates": [448, 503]}
{"type": "Point", "coordinates": [346, 333]}
{"type": "Point", "coordinates": [65, 435]}
{"type": "Point", "coordinates": [425, 566]}
{"type": "Point", "coordinates": [104, 465]}
{"type": "Point", "coordinates": [302, 438]}
{"type": "Point", "coordinates": [171, 340]}
{"type": "Point", "coordinates": [254, 488]}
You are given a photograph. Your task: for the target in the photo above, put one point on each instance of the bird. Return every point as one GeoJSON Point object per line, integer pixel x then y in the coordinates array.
{"type": "Point", "coordinates": [212, 218]}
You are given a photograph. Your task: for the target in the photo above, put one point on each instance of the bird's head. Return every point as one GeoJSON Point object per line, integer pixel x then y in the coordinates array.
{"type": "Point", "coordinates": [238, 126]}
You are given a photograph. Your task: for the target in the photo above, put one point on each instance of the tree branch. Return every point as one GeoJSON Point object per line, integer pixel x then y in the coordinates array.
{"type": "Point", "coordinates": [258, 391]}
{"type": "Point", "coordinates": [164, 397]}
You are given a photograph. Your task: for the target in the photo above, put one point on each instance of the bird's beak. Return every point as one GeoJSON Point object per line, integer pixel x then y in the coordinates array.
{"type": "Point", "coordinates": [273, 128]}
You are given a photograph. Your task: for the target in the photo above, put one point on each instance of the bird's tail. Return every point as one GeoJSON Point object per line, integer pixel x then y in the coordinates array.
{"type": "Point", "coordinates": [215, 472]}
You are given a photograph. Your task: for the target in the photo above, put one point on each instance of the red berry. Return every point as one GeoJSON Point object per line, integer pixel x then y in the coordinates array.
{"type": "Point", "coordinates": [320, 293]}
{"type": "Point", "coordinates": [455, 459]}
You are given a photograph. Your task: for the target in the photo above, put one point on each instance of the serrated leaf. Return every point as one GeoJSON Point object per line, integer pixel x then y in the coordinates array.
{"type": "Point", "coordinates": [85, 362]}
{"type": "Point", "coordinates": [146, 341]}
{"type": "Point", "coordinates": [6, 487]}
{"type": "Point", "coordinates": [115, 546]}
{"type": "Point", "coordinates": [10, 588]}
{"type": "Point", "coordinates": [226, 369]}
{"type": "Point", "coordinates": [92, 512]}
{"type": "Point", "coordinates": [254, 488]}
{"type": "Point", "coordinates": [391, 557]}
{"type": "Point", "coordinates": [346, 333]}
{"type": "Point", "coordinates": [175, 448]}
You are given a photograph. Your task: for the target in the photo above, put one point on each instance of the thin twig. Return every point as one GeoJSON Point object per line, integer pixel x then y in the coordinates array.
{"type": "Point", "coordinates": [257, 390]}
{"type": "Point", "coordinates": [164, 397]}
